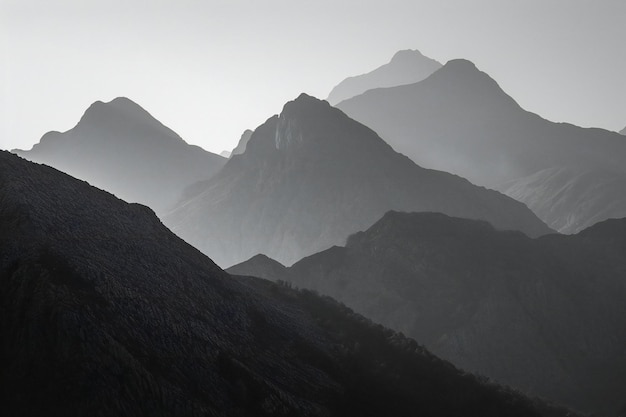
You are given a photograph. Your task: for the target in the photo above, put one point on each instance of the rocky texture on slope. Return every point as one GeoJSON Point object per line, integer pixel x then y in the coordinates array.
{"type": "Point", "coordinates": [459, 120]}
{"type": "Point", "coordinates": [106, 312]}
{"type": "Point", "coordinates": [311, 177]}
{"type": "Point", "coordinates": [406, 67]}
{"type": "Point", "coordinates": [119, 147]}
{"type": "Point", "coordinates": [545, 315]}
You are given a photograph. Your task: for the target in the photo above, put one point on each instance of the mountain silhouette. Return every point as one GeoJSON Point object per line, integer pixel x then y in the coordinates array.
{"type": "Point", "coordinates": [542, 315]}
{"type": "Point", "coordinates": [243, 141]}
{"type": "Point", "coordinates": [406, 67]}
{"type": "Point", "coordinates": [311, 177]}
{"type": "Point", "coordinates": [623, 131]}
{"type": "Point", "coordinates": [106, 312]}
{"type": "Point", "coordinates": [459, 120]}
{"type": "Point", "coordinates": [120, 147]}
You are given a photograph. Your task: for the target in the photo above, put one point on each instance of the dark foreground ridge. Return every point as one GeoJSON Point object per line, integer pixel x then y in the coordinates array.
{"type": "Point", "coordinates": [546, 316]}
{"type": "Point", "coordinates": [106, 312]}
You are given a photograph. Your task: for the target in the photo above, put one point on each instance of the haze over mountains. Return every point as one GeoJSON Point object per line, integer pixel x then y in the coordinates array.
{"type": "Point", "coordinates": [406, 67]}
{"type": "Point", "coordinates": [312, 176]}
{"type": "Point", "coordinates": [106, 312]}
{"type": "Point", "coordinates": [545, 315]}
{"type": "Point", "coordinates": [460, 121]}
{"type": "Point", "coordinates": [120, 147]}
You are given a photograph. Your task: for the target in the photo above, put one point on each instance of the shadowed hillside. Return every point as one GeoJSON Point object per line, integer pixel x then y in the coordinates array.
{"type": "Point", "coordinates": [543, 315]}
{"type": "Point", "coordinates": [106, 312]}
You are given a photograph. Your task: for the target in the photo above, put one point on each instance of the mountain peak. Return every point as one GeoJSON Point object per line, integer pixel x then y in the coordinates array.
{"type": "Point", "coordinates": [623, 131]}
{"type": "Point", "coordinates": [118, 108]}
{"type": "Point", "coordinates": [406, 67]}
{"type": "Point", "coordinates": [302, 104]}
{"type": "Point", "coordinates": [407, 54]}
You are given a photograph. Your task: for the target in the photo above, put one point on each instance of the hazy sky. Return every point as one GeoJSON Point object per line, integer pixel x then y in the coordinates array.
{"type": "Point", "coordinates": [210, 69]}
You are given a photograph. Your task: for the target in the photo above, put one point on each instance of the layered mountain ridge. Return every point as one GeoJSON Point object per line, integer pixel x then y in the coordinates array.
{"type": "Point", "coordinates": [118, 146]}
{"type": "Point", "coordinates": [406, 67]}
{"type": "Point", "coordinates": [309, 178]}
{"type": "Point", "coordinates": [542, 315]}
{"type": "Point", "coordinates": [106, 312]}
{"type": "Point", "coordinates": [459, 120]}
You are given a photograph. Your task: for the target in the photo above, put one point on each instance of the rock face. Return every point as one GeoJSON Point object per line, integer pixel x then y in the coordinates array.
{"type": "Point", "coordinates": [119, 147]}
{"type": "Point", "coordinates": [542, 315]}
{"type": "Point", "coordinates": [460, 121]}
{"type": "Point", "coordinates": [311, 177]}
{"type": "Point", "coordinates": [406, 67]}
{"type": "Point", "coordinates": [106, 312]}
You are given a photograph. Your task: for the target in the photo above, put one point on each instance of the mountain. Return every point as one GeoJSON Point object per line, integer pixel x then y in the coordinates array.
{"type": "Point", "coordinates": [406, 67]}
{"type": "Point", "coordinates": [243, 141]}
{"type": "Point", "coordinates": [311, 177]}
{"type": "Point", "coordinates": [106, 312]}
{"type": "Point", "coordinates": [459, 120]}
{"type": "Point", "coordinates": [120, 147]}
{"type": "Point", "coordinates": [225, 154]}
{"type": "Point", "coordinates": [545, 315]}
{"type": "Point", "coordinates": [586, 196]}
{"type": "Point", "coordinates": [623, 131]}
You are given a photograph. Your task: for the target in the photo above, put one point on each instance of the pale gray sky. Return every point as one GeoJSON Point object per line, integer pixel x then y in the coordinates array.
{"type": "Point", "coordinates": [210, 69]}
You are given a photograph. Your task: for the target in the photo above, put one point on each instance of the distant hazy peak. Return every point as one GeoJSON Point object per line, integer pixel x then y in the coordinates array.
{"type": "Point", "coordinates": [243, 142]}
{"type": "Point", "coordinates": [121, 109]}
{"type": "Point", "coordinates": [406, 67]}
{"type": "Point", "coordinates": [623, 131]}
{"type": "Point", "coordinates": [405, 55]}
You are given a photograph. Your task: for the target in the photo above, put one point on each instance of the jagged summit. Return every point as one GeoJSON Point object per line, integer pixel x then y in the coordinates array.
{"type": "Point", "coordinates": [406, 67]}
{"type": "Point", "coordinates": [308, 124]}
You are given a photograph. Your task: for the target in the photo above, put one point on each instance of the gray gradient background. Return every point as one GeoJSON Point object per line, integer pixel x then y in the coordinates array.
{"type": "Point", "coordinates": [210, 69]}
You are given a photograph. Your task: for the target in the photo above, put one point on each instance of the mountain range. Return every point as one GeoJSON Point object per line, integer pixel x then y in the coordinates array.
{"type": "Point", "coordinates": [406, 67]}
{"type": "Point", "coordinates": [623, 131]}
{"type": "Point", "coordinates": [106, 312]}
{"type": "Point", "coordinates": [312, 176]}
{"type": "Point", "coordinates": [459, 120]}
{"type": "Point", "coordinates": [546, 316]}
{"type": "Point", "coordinates": [121, 148]}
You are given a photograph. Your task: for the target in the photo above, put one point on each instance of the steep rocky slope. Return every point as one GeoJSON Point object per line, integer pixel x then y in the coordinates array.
{"type": "Point", "coordinates": [106, 312]}
{"type": "Point", "coordinates": [546, 315]}
{"type": "Point", "coordinates": [312, 176]}
{"type": "Point", "coordinates": [119, 147]}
